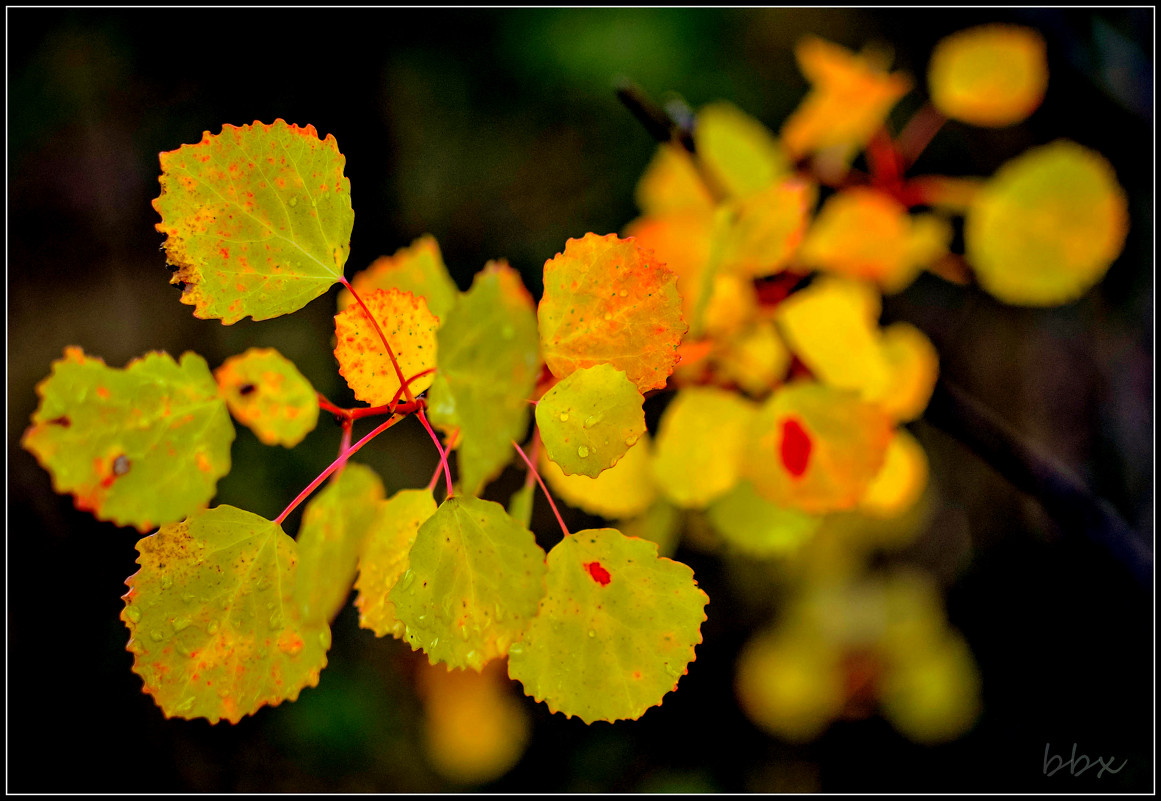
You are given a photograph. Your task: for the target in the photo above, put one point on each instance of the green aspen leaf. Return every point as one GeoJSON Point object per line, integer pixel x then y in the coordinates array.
{"type": "Point", "coordinates": [385, 557]}
{"type": "Point", "coordinates": [608, 301]}
{"type": "Point", "coordinates": [488, 366]}
{"type": "Point", "coordinates": [418, 269]}
{"type": "Point", "coordinates": [1047, 226]}
{"type": "Point", "coordinates": [520, 505]}
{"type": "Point", "coordinates": [335, 526]}
{"type": "Point", "coordinates": [258, 219]}
{"type": "Point", "coordinates": [408, 326]}
{"type": "Point", "coordinates": [753, 525]}
{"type": "Point", "coordinates": [266, 393]}
{"type": "Point", "coordinates": [615, 631]}
{"type": "Point", "coordinates": [473, 583]}
{"type": "Point", "coordinates": [700, 444]}
{"type": "Point", "coordinates": [139, 446]}
{"type": "Point", "coordinates": [215, 629]}
{"type": "Point", "coordinates": [588, 420]}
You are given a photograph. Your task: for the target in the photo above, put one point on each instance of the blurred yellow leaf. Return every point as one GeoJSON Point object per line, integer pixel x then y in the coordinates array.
{"type": "Point", "coordinates": [766, 228]}
{"type": "Point", "coordinates": [756, 358]}
{"type": "Point", "coordinates": [624, 490]}
{"type": "Point", "coordinates": [417, 268]}
{"type": "Point", "coordinates": [739, 153]}
{"type": "Point", "coordinates": [671, 183]}
{"type": "Point", "coordinates": [901, 480]}
{"type": "Point", "coordinates": [990, 75]}
{"type": "Point", "coordinates": [912, 370]}
{"type": "Point", "coordinates": [1047, 226]}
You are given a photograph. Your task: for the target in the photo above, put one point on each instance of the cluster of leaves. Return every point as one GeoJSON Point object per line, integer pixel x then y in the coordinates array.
{"type": "Point", "coordinates": [787, 415]}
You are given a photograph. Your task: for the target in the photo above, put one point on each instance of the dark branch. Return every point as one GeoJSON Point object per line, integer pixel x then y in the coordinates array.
{"type": "Point", "coordinates": [1062, 494]}
{"type": "Point", "coordinates": [655, 119]}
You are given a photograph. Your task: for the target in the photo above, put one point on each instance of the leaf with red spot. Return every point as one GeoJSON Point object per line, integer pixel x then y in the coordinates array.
{"type": "Point", "coordinates": [335, 525]}
{"type": "Point", "coordinates": [139, 446]}
{"type": "Point", "coordinates": [606, 301]}
{"type": "Point", "coordinates": [215, 628]}
{"type": "Point", "coordinates": [815, 448]}
{"type": "Point", "coordinates": [385, 557]}
{"type": "Point", "coordinates": [258, 219]}
{"type": "Point", "coordinates": [266, 393]}
{"type": "Point", "coordinates": [409, 328]}
{"type": "Point", "coordinates": [489, 362]}
{"type": "Point", "coordinates": [474, 580]}
{"type": "Point", "coordinates": [615, 631]}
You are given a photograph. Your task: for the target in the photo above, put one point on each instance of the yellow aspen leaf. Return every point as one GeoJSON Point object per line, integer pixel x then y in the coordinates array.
{"type": "Point", "coordinates": [257, 219]}
{"type": "Point", "coordinates": [912, 370]}
{"type": "Point", "coordinates": [756, 358]}
{"type": "Point", "coordinates": [990, 75]}
{"type": "Point", "coordinates": [671, 183]}
{"type": "Point", "coordinates": [215, 628]}
{"type": "Point", "coordinates": [792, 687]}
{"type": "Point", "coordinates": [900, 481]}
{"type": "Point", "coordinates": [474, 730]}
{"type": "Point", "coordinates": [607, 301]}
{"type": "Point", "coordinates": [739, 153]}
{"type": "Point", "coordinates": [766, 228]}
{"type": "Point", "coordinates": [866, 234]}
{"type": "Point", "coordinates": [139, 446]}
{"type": "Point", "coordinates": [385, 558]}
{"type": "Point", "coordinates": [733, 302]}
{"type": "Point", "coordinates": [1047, 226]}
{"type": "Point", "coordinates": [616, 628]}
{"type": "Point", "coordinates": [826, 324]}
{"type": "Point", "coordinates": [681, 241]}
{"type": "Point", "coordinates": [933, 696]}
{"type": "Point", "coordinates": [815, 448]}
{"type": "Point", "coordinates": [849, 100]}
{"type": "Point", "coordinates": [417, 268]}
{"type": "Point", "coordinates": [590, 419]}
{"type": "Point", "coordinates": [489, 362]}
{"type": "Point", "coordinates": [266, 393]}
{"type": "Point", "coordinates": [700, 445]}
{"type": "Point", "coordinates": [473, 584]}
{"type": "Point", "coordinates": [335, 525]}
{"type": "Point", "coordinates": [409, 328]}
{"type": "Point", "coordinates": [750, 524]}
{"type": "Point", "coordinates": [624, 490]}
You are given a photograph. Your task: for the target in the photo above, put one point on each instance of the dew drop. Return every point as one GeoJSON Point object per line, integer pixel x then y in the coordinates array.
{"type": "Point", "coordinates": [398, 629]}
{"type": "Point", "coordinates": [592, 633]}
{"type": "Point", "coordinates": [434, 642]}
{"type": "Point", "coordinates": [156, 636]}
{"type": "Point", "coordinates": [582, 451]}
{"type": "Point", "coordinates": [275, 620]}
{"type": "Point", "coordinates": [408, 579]}
{"type": "Point", "coordinates": [166, 582]}
{"type": "Point", "coordinates": [516, 648]}
{"type": "Point", "coordinates": [473, 659]}
{"type": "Point", "coordinates": [213, 627]}
{"type": "Point", "coordinates": [608, 317]}
{"type": "Point", "coordinates": [324, 638]}
{"type": "Point", "coordinates": [186, 705]}
{"type": "Point", "coordinates": [181, 623]}
{"type": "Point", "coordinates": [293, 202]}
{"type": "Point", "coordinates": [593, 419]}
{"type": "Point", "coordinates": [631, 440]}
{"type": "Point", "coordinates": [564, 417]}
{"type": "Point", "coordinates": [187, 597]}
{"type": "Point", "coordinates": [623, 293]}
{"type": "Point", "coordinates": [133, 613]}
{"type": "Point", "coordinates": [499, 612]}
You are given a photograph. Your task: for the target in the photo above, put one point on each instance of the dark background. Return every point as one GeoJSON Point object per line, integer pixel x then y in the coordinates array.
{"type": "Point", "coordinates": [498, 132]}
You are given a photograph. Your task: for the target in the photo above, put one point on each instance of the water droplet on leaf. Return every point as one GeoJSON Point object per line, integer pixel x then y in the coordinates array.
{"type": "Point", "coordinates": [582, 451]}
{"type": "Point", "coordinates": [564, 417]}
{"type": "Point", "coordinates": [133, 613]}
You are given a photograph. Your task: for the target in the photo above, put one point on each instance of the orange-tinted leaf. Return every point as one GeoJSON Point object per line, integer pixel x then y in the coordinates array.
{"type": "Point", "coordinates": [766, 228]}
{"type": "Point", "coordinates": [900, 482]}
{"type": "Point", "coordinates": [756, 358]}
{"type": "Point", "coordinates": [912, 370]}
{"type": "Point", "coordinates": [608, 302]}
{"type": "Point", "coordinates": [815, 448]}
{"type": "Point", "coordinates": [385, 557]}
{"type": "Point", "coordinates": [266, 393]}
{"type": "Point", "coordinates": [671, 182]}
{"type": "Point", "coordinates": [258, 219]}
{"type": "Point", "coordinates": [991, 75]}
{"type": "Point", "coordinates": [410, 330]}
{"type": "Point", "coordinates": [849, 99]}
{"type": "Point", "coordinates": [615, 631]}
{"type": "Point", "coordinates": [681, 241]}
{"type": "Point", "coordinates": [140, 446]}
{"type": "Point", "coordinates": [215, 630]}
{"type": "Point", "coordinates": [418, 269]}
{"type": "Point", "coordinates": [1047, 226]}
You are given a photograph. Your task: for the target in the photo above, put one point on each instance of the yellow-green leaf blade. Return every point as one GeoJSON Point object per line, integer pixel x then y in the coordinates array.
{"type": "Point", "coordinates": [140, 446]}
{"type": "Point", "coordinates": [474, 581]}
{"type": "Point", "coordinates": [590, 419]}
{"type": "Point", "coordinates": [258, 219]}
{"type": "Point", "coordinates": [335, 525]}
{"type": "Point", "coordinates": [615, 631]}
{"type": "Point", "coordinates": [385, 557]}
{"type": "Point", "coordinates": [607, 301]}
{"type": "Point", "coordinates": [266, 393]}
{"type": "Point", "coordinates": [489, 362]}
{"type": "Point", "coordinates": [753, 525]}
{"type": "Point", "coordinates": [409, 328]}
{"type": "Point", "coordinates": [417, 268]}
{"type": "Point", "coordinates": [215, 630]}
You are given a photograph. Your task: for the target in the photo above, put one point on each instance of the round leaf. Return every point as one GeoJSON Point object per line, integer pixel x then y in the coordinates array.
{"type": "Point", "coordinates": [410, 330]}
{"type": "Point", "coordinates": [990, 75]}
{"type": "Point", "coordinates": [615, 631]}
{"type": "Point", "coordinates": [588, 420]}
{"type": "Point", "coordinates": [258, 219]}
{"type": "Point", "coordinates": [215, 630]}
{"type": "Point", "coordinates": [266, 393]}
{"type": "Point", "coordinates": [141, 446]}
